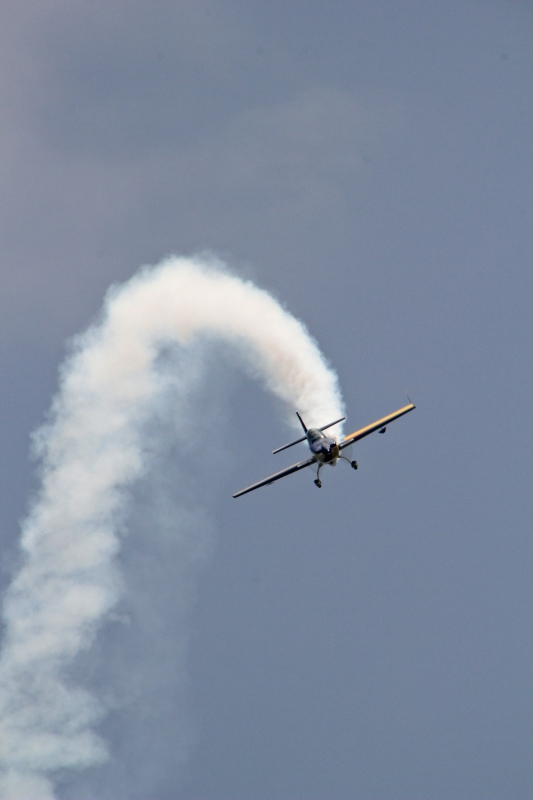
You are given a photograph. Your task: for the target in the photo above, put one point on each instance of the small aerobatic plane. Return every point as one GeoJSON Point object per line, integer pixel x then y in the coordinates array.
{"type": "Point", "coordinates": [324, 449]}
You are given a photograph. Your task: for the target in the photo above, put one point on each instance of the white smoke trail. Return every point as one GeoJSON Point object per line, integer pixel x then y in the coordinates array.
{"type": "Point", "coordinates": [91, 450]}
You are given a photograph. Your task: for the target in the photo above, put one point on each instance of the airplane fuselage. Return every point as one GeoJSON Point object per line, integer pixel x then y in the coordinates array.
{"type": "Point", "coordinates": [323, 448]}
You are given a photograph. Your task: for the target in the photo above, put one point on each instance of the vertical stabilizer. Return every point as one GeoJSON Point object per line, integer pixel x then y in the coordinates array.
{"type": "Point", "coordinates": [302, 423]}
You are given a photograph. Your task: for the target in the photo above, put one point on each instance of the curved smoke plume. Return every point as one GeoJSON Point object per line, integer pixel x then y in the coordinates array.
{"type": "Point", "coordinates": [91, 450]}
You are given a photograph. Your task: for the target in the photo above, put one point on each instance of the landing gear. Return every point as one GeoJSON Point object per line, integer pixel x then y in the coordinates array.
{"type": "Point", "coordinates": [353, 464]}
{"type": "Point", "coordinates": [318, 482]}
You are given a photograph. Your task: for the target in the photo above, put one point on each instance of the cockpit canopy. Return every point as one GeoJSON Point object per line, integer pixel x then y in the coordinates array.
{"type": "Point", "coordinates": [313, 435]}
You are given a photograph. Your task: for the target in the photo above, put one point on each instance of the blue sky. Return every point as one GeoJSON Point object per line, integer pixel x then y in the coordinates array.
{"type": "Point", "coordinates": [370, 164]}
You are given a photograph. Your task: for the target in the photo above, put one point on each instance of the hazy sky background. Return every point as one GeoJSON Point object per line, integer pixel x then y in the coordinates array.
{"type": "Point", "coordinates": [370, 164]}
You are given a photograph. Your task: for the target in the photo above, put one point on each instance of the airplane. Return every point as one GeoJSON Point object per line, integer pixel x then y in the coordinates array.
{"type": "Point", "coordinates": [324, 449]}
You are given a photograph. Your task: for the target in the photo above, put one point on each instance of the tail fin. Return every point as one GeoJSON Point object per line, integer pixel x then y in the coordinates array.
{"type": "Point", "coordinates": [303, 438]}
{"type": "Point", "coordinates": [302, 423]}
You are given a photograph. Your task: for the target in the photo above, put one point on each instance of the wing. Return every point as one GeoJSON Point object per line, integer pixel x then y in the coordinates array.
{"type": "Point", "coordinates": [276, 476]}
{"type": "Point", "coordinates": [375, 426]}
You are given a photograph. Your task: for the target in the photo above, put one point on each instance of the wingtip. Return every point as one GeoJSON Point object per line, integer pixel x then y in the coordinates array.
{"type": "Point", "coordinates": [409, 399]}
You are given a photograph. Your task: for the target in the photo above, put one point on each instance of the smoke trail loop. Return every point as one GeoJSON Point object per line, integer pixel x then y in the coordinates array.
{"type": "Point", "coordinates": [92, 449]}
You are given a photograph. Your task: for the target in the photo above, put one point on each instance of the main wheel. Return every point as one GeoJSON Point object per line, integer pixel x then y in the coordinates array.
{"type": "Point", "coordinates": [354, 464]}
{"type": "Point", "coordinates": [318, 483]}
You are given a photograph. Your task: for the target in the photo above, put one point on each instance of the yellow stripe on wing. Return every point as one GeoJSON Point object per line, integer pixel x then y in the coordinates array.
{"type": "Point", "coordinates": [380, 423]}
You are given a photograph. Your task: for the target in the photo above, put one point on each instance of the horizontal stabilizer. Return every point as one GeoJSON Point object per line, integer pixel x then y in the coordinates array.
{"type": "Point", "coordinates": [324, 427]}
{"type": "Point", "coordinates": [296, 441]}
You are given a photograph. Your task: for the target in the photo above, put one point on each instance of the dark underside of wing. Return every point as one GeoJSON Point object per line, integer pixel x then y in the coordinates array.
{"type": "Point", "coordinates": [276, 476]}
